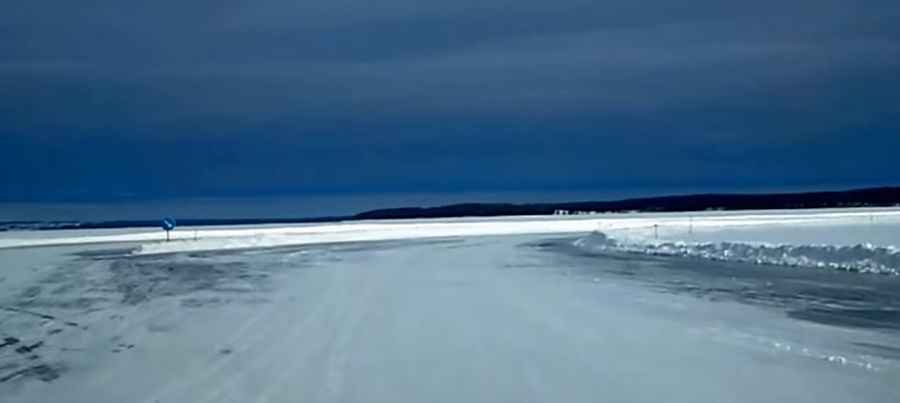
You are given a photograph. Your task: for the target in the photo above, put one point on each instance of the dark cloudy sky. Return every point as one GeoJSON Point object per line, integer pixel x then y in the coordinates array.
{"type": "Point", "coordinates": [112, 99]}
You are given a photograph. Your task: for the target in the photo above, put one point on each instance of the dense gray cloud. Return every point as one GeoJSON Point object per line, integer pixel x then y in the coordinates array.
{"type": "Point", "coordinates": [269, 94]}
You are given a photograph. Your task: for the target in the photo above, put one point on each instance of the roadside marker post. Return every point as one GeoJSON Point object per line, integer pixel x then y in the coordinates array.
{"type": "Point", "coordinates": [168, 224]}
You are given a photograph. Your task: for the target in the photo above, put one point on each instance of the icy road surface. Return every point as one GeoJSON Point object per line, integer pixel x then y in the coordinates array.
{"type": "Point", "coordinates": [515, 318]}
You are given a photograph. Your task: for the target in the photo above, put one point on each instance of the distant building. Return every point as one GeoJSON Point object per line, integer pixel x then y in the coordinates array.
{"type": "Point", "coordinates": [567, 212]}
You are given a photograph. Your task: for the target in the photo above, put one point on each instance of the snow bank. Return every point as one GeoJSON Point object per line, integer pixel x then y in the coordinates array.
{"type": "Point", "coordinates": [671, 224]}
{"type": "Point", "coordinates": [715, 226]}
{"type": "Point", "coordinates": [864, 240]}
{"type": "Point", "coordinates": [371, 232]}
{"type": "Point", "coordinates": [863, 258]}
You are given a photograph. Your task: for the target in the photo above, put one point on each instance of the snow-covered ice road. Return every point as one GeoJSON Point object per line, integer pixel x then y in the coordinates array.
{"type": "Point", "coordinates": [476, 319]}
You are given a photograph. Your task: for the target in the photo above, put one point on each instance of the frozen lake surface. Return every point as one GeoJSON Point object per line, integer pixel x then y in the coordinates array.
{"type": "Point", "coordinates": [516, 317]}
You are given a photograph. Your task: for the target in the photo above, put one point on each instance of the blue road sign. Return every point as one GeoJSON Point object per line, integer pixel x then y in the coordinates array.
{"type": "Point", "coordinates": [168, 223]}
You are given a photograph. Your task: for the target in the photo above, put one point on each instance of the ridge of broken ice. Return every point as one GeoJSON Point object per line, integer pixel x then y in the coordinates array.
{"type": "Point", "coordinates": [862, 258]}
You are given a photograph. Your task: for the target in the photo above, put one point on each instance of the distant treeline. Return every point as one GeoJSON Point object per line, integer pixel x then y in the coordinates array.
{"type": "Point", "coordinates": [871, 197]}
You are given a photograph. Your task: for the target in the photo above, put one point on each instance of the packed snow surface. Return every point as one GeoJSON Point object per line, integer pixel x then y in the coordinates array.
{"type": "Point", "coordinates": [459, 310]}
{"type": "Point", "coordinates": [471, 319]}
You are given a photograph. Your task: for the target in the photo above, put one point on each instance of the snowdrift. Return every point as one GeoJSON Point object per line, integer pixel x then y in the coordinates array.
{"type": "Point", "coordinates": [863, 258]}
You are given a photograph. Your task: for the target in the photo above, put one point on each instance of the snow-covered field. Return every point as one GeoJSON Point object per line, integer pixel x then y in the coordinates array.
{"type": "Point", "coordinates": [513, 309]}
{"type": "Point", "coordinates": [856, 226]}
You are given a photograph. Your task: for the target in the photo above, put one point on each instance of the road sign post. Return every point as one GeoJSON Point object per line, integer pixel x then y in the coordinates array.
{"type": "Point", "coordinates": [168, 224]}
